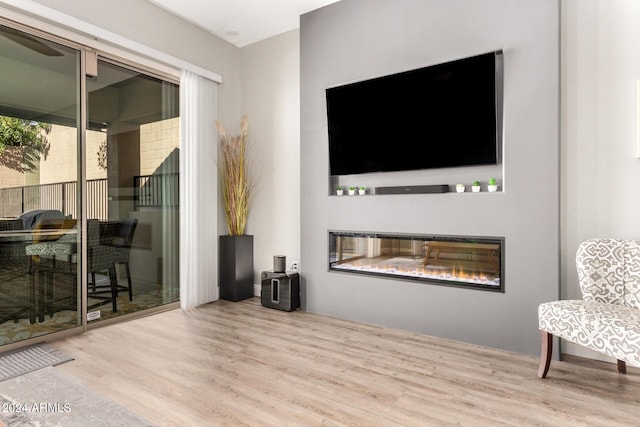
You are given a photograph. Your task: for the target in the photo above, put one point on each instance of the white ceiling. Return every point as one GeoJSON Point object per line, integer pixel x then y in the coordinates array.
{"type": "Point", "coordinates": [242, 22]}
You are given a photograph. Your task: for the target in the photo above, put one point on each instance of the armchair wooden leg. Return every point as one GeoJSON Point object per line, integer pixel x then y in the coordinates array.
{"type": "Point", "coordinates": [545, 353]}
{"type": "Point", "coordinates": [622, 367]}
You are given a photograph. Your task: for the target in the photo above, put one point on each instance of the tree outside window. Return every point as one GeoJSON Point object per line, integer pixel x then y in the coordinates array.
{"type": "Point", "coordinates": [23, 143]}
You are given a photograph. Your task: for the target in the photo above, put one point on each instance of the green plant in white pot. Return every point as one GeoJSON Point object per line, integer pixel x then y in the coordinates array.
{"type": "Point", "coordinates": [493, 185]}
{"type": "Point", "coordinates": [460, 188]}
{"type": "Point", "coordinates": [475, 186]}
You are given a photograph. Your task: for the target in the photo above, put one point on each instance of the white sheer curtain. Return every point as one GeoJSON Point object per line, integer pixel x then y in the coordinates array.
{"type": "Point", "coordinates": [198, 191]}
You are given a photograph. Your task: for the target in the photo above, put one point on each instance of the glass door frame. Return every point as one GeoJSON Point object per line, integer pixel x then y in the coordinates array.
{"type": "Point", "coordinates": [81, 281]}
{"type": "Point", "coordinates": [135, 67]}
{"type": "Point", "coordinates": [87, 53]}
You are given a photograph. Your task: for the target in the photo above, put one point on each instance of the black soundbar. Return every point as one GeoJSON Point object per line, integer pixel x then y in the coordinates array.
{"type": "Point", "coordinates": [413, 189]}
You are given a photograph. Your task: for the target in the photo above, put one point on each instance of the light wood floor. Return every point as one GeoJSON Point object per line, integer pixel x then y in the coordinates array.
{"type": "Point", "coordinates": [242, 364]}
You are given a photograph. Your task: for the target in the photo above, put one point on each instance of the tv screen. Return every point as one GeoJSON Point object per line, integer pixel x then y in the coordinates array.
{"type": "Point", "coordinates": [445, 115]}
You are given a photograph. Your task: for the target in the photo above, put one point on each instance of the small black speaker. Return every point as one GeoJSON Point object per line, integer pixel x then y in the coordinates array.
{"type": "Point", "coordinates": [279, 263]}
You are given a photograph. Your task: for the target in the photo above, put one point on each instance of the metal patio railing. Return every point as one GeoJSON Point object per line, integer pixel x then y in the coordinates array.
{"type": "Point", "coordinates": [62, 196]}
{"type": "Point", "coordinates": [161, 190]}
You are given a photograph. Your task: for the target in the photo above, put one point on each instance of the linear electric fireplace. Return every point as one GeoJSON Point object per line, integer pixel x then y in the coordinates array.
{"type": "Point", "coordinates": [461, 261]}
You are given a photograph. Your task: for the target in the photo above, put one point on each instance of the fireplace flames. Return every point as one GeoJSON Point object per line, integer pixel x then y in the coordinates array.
{"type": "Point", "coordinates": [415, 269]}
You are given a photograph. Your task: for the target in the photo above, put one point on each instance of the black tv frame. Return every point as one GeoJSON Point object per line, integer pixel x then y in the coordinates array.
{"type": "Point", "coordinates": [496, 156]}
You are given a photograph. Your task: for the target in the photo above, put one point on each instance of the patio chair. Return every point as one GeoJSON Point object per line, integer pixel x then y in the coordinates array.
{"type": "Point", "coordinates": [119, 240]}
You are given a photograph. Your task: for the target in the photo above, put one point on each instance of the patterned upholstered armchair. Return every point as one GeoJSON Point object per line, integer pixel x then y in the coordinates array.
{"type": "Point", "coordinates": [607, 319]}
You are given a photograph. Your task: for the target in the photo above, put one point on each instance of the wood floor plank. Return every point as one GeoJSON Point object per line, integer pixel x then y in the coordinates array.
{"type": "Point", "coordinates": [242, 364]}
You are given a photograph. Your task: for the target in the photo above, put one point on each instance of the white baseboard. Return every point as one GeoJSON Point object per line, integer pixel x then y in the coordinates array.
{"type": "Point", "coordinates": [256, 290]}
{"type": "Point", "coordinates": [578, 350]}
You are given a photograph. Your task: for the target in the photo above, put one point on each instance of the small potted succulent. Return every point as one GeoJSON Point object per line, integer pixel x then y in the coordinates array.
{"type": "Point", "coordinates": [352, 191]}
{"type": "Point", "coordinates": [339, 190]}
{"type": "Point", "coordinates": [493, 185]}
{"type": "Point", "coordinates": [475, 186]}
{"type": "Point", "coordinates": [460, 188]}
{"type": "Point", "coordinates": [362, 191]}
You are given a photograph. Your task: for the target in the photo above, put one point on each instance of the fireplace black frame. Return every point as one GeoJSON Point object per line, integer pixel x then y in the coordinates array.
{"type": "Point", "coordinates": [425, 237]}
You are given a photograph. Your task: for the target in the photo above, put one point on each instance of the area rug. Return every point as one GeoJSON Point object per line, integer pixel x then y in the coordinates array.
{"type": "Point", "coordinates": [47, 397]}
{"type": "Point", "coordinates": [29, 359]}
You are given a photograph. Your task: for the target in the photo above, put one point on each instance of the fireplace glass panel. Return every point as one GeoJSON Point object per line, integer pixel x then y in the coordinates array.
{"type": "Point", "coordinates": [461, 261]}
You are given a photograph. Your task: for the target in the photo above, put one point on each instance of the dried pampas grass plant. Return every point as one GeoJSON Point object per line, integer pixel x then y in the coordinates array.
{"type": "Point", "coordinates": [237, 184]}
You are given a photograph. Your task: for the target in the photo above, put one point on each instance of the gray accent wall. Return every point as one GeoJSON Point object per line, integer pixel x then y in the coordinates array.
{"type": "Point", "coordinates": [358, 39]}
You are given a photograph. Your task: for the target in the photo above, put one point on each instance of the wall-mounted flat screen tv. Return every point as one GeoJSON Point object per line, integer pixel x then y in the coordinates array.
{"type": "Point", "coordinates": [441, 116]}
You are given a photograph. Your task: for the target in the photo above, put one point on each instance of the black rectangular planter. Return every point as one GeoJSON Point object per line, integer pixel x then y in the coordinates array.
{"type": "Point", "coordinates": [236, 267]}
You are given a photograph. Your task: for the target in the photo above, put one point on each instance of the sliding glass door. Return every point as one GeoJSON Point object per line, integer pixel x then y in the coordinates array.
{"type": "Point", "coordinates": [133, 147]}
{"type": "Point", "coordinates": [39, 211]}
{"type": "Point", "coordinates": [89, 171]}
